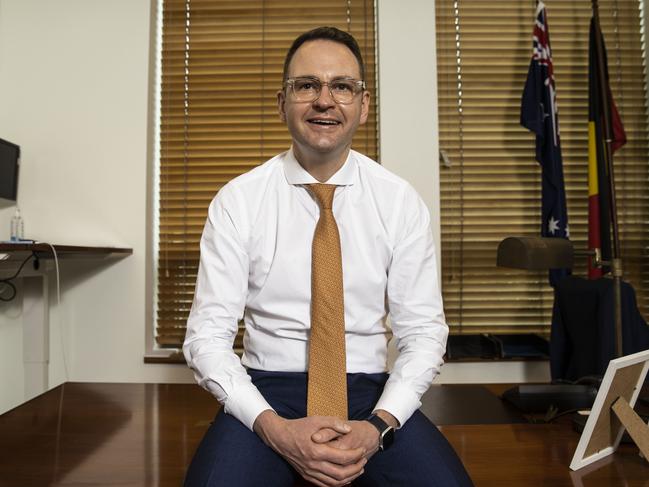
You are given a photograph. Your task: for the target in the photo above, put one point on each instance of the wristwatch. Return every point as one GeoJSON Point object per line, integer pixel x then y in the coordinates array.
{"type": "Point", "coordinates": [386, 432]}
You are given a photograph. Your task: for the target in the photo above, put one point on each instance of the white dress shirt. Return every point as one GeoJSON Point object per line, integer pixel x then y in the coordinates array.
{"type": "Point", "coordinates": [256, 263]}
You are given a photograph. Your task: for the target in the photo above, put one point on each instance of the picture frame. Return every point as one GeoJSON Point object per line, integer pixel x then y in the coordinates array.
{"type": "Point", "coordinates": [612, 411]}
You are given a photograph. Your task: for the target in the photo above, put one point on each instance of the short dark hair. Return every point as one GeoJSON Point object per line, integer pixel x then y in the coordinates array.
{"type": "Point", "coordinates": [330, 34]}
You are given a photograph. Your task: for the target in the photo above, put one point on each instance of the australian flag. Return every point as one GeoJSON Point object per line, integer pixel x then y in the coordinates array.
{"type": "Point", "coordinates": [539, 114]}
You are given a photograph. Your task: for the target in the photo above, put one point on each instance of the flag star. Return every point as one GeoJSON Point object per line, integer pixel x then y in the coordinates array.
{"type": "Point", "coordinates": [553, 225]}
{"type": "Point", "coordinates": [543, 111]}
{"type": "Point", "coordinates": [567, 232]}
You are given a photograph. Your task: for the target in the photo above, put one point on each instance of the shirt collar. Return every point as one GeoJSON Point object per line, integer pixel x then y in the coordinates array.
{"type": "Point", "coordinates": [296, 174]}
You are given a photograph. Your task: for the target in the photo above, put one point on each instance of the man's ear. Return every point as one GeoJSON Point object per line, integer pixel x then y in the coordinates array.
{"type": "Point", "coordinates": [365, 107]}
{"type": "Point", "coordinates": [281, 101]}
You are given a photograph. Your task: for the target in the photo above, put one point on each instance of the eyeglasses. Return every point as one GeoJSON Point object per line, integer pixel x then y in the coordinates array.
{"type": "Point", "coordinates": [343, 90]}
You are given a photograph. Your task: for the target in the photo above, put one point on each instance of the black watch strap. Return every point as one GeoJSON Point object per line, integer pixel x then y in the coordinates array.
{"type": "Point", "coordinates": [386, 432]}
{"type": "Point", "coordinates": [378, 423]}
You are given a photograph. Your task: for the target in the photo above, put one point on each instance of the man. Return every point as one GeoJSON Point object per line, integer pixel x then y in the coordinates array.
{"type": "Point", "coordinates": [257, 263]}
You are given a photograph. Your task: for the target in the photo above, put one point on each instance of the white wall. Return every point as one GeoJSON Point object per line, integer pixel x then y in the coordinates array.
{"type": "Point", "coordinates": [74, 87]}
{"type": "Point", "coordinates": [74, 80]}
{"type": "Point", "coordinates": [408, 97]}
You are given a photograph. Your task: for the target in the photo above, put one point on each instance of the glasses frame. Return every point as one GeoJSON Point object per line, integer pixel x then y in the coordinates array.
{"type": "Point", "coordinates": [290, 82]}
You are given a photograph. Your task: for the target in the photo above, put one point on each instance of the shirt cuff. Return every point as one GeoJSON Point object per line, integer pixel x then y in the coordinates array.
{"type": "Point", "coordinates": [245, 404]}
{"type": "Point", "coordinates": [399, 401]}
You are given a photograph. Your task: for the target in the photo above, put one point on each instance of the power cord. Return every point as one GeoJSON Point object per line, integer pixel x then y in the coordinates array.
{"type": "Point", "coordinates": [7, 284]}
{"type": "Point", "coordinates": [58, 306]}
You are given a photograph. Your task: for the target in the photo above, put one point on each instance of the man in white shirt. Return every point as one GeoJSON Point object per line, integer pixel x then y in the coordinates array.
{"type": "Point", "coordinates": [256, 266]}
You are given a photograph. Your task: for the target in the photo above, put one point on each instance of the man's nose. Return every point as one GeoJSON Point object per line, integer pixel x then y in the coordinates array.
{"type": "Point", "coordinates": [325, 99]}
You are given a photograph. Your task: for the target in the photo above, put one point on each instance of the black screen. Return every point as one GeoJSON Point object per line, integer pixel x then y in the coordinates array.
{"type": "Point", "coordinates": [9, 156]}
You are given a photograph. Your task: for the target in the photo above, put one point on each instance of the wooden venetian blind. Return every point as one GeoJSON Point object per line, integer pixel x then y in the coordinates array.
{"type": "Point", "coordinates": [492, 189]}
{"type": "Point", "coordinates": [221, 68]}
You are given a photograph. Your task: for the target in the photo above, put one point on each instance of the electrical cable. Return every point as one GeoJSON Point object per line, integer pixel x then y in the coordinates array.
{"type": "Point", "coordinates": [7, 281]}
{"type": "Point", "coordinates": [58, 307]}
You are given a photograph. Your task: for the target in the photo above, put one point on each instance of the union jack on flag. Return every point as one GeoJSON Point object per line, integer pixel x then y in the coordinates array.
{"type": "Point", "coordinates": [539, 114]}
{"type": "Point", "coordinates": [542, 55]}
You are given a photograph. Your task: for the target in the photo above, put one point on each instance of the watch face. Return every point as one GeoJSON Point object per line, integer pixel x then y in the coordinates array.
{"type": "Point", "coordinates": [387, 438]}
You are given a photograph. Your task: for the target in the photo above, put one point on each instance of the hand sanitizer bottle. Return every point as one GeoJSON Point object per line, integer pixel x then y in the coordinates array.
{"type": "Point", "coordinates": [17, 227]}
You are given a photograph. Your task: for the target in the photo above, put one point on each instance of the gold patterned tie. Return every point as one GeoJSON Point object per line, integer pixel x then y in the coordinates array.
{"type": "Point", "coordinates": [327, 386]}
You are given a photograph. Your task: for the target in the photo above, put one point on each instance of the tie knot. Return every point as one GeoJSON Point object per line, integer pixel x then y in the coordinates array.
{"type": "Point", "coordinates": [324, 193]}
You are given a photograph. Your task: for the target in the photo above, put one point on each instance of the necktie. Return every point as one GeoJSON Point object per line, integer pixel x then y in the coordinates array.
{"type": "Point", "coordinates": [327, 377]}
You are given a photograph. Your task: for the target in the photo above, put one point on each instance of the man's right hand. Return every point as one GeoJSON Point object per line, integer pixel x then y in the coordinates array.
{"type": "Point", "coordinates": [320, 464]}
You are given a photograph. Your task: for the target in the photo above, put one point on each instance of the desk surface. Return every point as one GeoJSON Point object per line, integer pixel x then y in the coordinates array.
{"type": "Point", "coordinates": [43, 250]}
{"type": "Point", "coordinates": [146, 434]}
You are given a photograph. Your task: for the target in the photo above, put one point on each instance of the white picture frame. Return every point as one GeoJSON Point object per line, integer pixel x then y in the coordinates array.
{"type": "Point", "coordinates": [601, 436]}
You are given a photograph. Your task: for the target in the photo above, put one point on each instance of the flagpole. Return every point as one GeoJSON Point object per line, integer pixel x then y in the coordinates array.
{"type": "Point", "coordinates": [616, 261]}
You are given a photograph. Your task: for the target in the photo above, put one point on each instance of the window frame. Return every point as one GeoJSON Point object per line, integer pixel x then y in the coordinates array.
{"type": "Point", "coordinates": [154, 353]}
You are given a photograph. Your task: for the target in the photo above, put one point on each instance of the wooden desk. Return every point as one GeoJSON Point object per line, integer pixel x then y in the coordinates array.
{"type": "Point", "coordinates": [146, 434]}
{"type": "Point", "coordinates": [44, 251]}
{"type": "Point", "coordinates": [35, 298]}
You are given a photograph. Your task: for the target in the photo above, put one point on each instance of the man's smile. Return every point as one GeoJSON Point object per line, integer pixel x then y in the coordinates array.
{"type": "Point", "coordinates": [323, 121]}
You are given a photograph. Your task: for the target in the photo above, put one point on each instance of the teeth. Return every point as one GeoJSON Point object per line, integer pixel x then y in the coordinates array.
{"type": "Point", "coordinates": [325, 122]}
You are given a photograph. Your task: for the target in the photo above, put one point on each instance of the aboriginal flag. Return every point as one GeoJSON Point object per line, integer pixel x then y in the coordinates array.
{"type": "Point", "coordinates": [599, 217]}
{"type": "Point", "coordinates": [539, 114]}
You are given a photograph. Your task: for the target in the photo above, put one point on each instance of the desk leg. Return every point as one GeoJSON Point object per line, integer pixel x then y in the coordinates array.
{"type": "Point", "coordinates": [36, 335]}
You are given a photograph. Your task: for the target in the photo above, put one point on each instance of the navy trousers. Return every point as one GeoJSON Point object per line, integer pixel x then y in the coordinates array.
{"type": "Point", "coordinates": [230, 455]}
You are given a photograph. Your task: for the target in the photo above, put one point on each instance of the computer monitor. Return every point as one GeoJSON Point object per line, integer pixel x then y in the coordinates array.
{"type": "Point", "coordinates": [9, 164]}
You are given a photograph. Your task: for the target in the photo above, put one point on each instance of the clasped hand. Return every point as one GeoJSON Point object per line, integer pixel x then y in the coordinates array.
{"type": "Point", "coordinates": [326, 451]}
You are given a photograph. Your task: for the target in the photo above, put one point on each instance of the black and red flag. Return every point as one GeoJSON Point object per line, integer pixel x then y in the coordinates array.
{"type": "Point", "coordinates": [599, 214]}
{"type": "Point", "coordinates": [539, 114]}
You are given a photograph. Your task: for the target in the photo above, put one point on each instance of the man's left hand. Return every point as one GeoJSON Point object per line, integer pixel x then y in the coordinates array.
{"type": "Point", "coordinates": [363, 435]}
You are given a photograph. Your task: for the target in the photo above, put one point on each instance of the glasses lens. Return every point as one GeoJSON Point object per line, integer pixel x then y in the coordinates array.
{"type": "Point", "coordinates": [306, 89]}
{"type": "Point", "coordinates": [343, 90]}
